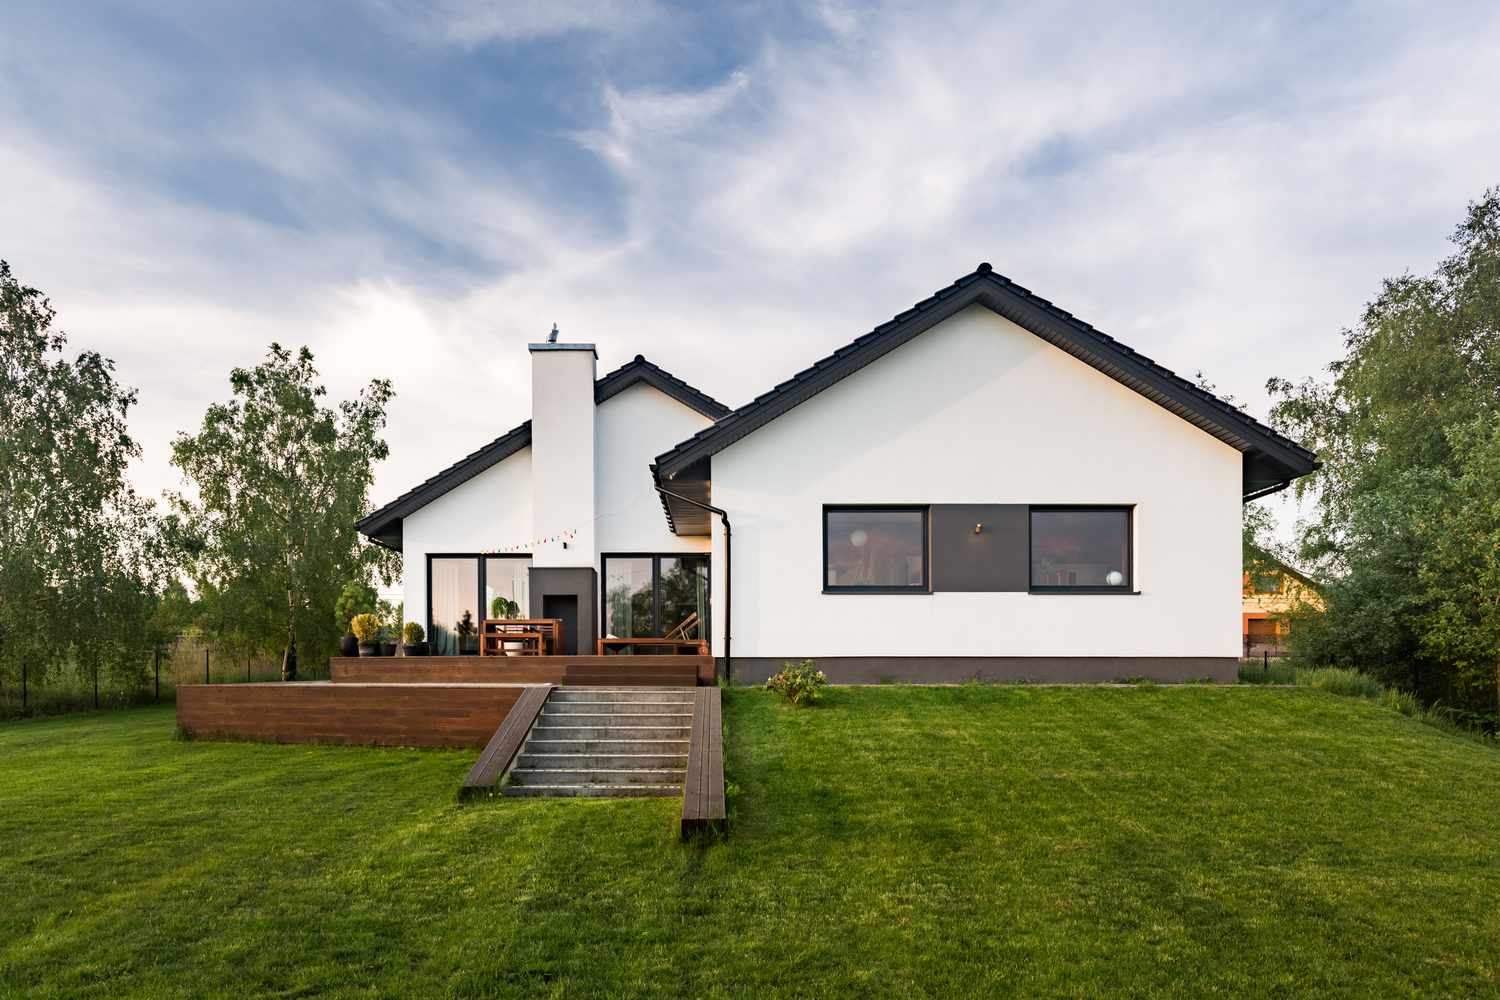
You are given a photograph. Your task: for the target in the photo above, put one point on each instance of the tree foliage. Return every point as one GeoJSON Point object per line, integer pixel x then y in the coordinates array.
{"type": "Point", "coordinates": [277, 481]}
{"type": "Point", "coordinates": [1408, 497]}
{"type": "Point", "coordinates": [80, 556]}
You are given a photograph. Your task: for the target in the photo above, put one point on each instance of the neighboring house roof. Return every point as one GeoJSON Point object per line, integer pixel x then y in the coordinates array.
{"type": "Point", "coordinates": [384, 525]}
{"type": "Point", "coordinates": [1269, 561]}
{"type": "Point", "coordinates": [1271, 459]}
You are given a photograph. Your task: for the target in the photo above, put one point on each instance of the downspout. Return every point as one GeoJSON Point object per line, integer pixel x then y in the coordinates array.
{"type": "Point", "coordinates": [728, 576]}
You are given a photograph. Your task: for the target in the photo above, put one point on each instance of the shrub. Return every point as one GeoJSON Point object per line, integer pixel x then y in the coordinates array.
{"type": "Point", "coordinates": [366, 627]}
{"type": "Point", "coordinates": [799, 683]}
{"type": "Point", "coordinates": [412, 634]}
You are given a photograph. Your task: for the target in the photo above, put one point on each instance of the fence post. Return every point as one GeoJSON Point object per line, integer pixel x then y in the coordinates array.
{"type": "Point", "coordinates": [23, 687]}
{"type": "Point", "coordinates": [157, 696]}
{"type": "Point", "coordinates": [96, 686]}
{"type": "Point", "coordinates": [1265, 660]}
{"type": "Point", "coordinates": [247, 668]}
{"type": "Point", "coordinates": [206, 679]}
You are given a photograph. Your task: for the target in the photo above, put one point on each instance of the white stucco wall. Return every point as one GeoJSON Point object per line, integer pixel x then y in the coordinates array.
{"type": "Point", "coordinates": [977, 410]}
{"type": "Point", "coordinates": [631, 429]}
{"type": "Point", "coordinates": [489, 512]}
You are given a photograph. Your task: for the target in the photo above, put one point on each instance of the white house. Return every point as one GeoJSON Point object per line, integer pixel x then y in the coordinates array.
{"type": "Point", "coordinates": [985, 486]}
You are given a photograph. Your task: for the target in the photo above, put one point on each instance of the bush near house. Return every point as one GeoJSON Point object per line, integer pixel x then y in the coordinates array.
{"type": "Point", "coordinates": [799, 683]}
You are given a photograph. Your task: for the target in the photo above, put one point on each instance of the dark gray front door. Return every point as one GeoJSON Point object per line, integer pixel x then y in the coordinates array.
{"type": "Point", "coordinates": [564, 606]}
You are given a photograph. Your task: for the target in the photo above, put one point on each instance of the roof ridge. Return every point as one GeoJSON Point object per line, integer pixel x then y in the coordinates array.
{"type": "Point", "coordinates": [983, 273]}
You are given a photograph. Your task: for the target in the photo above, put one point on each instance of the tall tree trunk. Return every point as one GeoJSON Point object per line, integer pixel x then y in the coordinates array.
{"type": "Point", "coordinates": [289, 656]}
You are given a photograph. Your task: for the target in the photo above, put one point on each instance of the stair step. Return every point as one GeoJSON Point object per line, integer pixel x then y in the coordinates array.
{"type": "Point", "coordinates": [576, 717]}
{"type": "Point", "coordinates": [653, 709]}
{"type": "Point", "coordinates": [592, 791]}
{"type": "Point", "coordinates": [617, 695]}
{"type": "Point", "coordinates": [597, 776]}
{"type": "Point", "coordinates": [604, 746]}
{"type": "Point", "coordinates": [589, 761]}
{"type": "Point", "coordinates": [611, 732]}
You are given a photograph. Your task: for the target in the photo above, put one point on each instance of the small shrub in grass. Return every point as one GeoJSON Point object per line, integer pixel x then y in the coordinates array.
{"type": "Point", "coordinates": [1402, 701]}
{"type": "Point", "coordinates": [799, 683]}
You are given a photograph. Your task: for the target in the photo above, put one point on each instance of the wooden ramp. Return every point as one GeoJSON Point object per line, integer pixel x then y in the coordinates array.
{"type": "Point", "coordinates": [703, 805]}
{"type": "Point", "coordinates": [503, 746]}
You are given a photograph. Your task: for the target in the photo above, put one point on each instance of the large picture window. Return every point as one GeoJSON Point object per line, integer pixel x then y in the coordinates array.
{"type": "Point", "coordinates": [1081, 549]}
{"type": "Point", "coordinates": [875, 550]}
{"type": "Point", "coordinates": [464, 590]}
{"type": "Point", "coordinates": [656, 595]}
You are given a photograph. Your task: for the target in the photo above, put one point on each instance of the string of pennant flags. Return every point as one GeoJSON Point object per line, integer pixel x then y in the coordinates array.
{"type": "Point", "coordinates": [562, 536]}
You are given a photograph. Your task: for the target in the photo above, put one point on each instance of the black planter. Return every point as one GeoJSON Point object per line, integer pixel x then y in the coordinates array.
{"type": "Point", "coordinates": [414, 649]}
{"type": "Point", "coordinates": [369, 649]}
{"type": "Point", "coordinates": [387, 649]}
{"type": "Point", "coordinates": [348, 645]}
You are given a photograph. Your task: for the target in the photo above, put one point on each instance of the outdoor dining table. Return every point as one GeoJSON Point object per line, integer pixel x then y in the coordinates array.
{"type": "Point", "coordinates": [535, 636]}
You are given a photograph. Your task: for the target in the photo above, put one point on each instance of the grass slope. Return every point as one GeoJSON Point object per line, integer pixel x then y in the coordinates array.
{"type": "Point", "coordinates": [897, 841]}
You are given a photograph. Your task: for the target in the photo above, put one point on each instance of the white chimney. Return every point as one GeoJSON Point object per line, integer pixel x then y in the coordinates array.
{"type": "Point", "coordinates": [562, 453]}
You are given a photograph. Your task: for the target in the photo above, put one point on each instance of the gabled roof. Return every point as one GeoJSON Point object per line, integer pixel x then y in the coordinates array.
{"type": "Point", "coordinates": [1271, 460]}
{"type": "Point", "coordinates": [384, 525]}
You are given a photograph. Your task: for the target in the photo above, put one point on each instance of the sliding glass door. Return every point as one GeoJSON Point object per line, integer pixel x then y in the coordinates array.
{"type": "Point", "coordinates": [656, 595]}
{"type": "Point", "coordinates": [463, 590]}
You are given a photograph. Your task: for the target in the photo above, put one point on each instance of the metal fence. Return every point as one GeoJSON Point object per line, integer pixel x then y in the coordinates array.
{"type": "Point", "coordinates": [71, 687]}
{"type": "Point", "coordinates": [1257, 647]}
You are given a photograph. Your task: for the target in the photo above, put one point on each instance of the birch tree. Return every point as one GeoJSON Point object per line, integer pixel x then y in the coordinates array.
{"type": "Point", "coordinates": [274, 480]}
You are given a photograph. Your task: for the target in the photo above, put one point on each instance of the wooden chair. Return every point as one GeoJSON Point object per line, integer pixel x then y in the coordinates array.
{"type": "Point", "coordinates": [684, 627]}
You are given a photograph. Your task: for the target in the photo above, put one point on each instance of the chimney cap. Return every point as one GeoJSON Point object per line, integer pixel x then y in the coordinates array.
{"type": "Point", "coordinates": [550, 346]}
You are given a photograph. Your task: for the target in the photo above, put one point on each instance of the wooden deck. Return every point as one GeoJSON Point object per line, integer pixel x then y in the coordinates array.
{"type": "Point", "coordinates": [703, 806]}
{"type": "Point", "coordinates": [408, 715]}
{"type": "Point", "coordinates": [608, 671]}
{"type": "Point", "coordinates": [503, 746]}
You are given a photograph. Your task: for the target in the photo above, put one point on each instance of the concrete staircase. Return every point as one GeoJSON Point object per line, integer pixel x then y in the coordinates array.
{"type": "Point", "coordinates": [606, 742]}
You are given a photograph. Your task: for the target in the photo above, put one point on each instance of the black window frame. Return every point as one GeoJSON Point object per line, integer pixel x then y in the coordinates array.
{"type": "Point", "coordinates": [1128, 587]}
{"type": "Point", "coordinates": [478, 594]}
{"type": "Point", "coordinates": [656, 558]}
{"type": "Point", "coordinates": [905, 508]}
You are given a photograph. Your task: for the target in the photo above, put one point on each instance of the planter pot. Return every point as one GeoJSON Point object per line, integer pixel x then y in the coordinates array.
{"type": "Point", "coordinates": [369, 649]}
{"type": "Point", "coordinates": [414, 649]}
{"type": "Point", "coordinates": [348, 645]}
{"type": "Point", "coordinates": [387, 649]}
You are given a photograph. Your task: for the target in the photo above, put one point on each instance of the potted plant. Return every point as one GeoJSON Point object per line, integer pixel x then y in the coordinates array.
{"type": "Point", "coordinates": [366, 628]}
{"type": "Point", "coordinates": [412, 638]}
{"type": "Point", "coordinates": [504, 607]}
{"type": "Point", "coordinates": [465, 630]}
{"type": "Point", "coordinates": [356, 598]}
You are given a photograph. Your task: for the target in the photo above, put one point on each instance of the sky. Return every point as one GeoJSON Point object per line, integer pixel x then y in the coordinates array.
{"type": "Point", "coordinates": [416, 190]}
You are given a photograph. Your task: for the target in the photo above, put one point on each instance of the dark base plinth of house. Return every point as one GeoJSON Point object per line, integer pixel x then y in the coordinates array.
{"type": "Point", "coordinates": [621, 671]}
{"type": "Point", "coordinates": [997, 669]}
{"type": "Point", "coordinates": [407, 715]}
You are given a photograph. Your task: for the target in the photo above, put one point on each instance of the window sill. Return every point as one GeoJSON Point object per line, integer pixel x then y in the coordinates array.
{"type": "Point", "coordinates": [856, 591]}
{"type": "Point", "coordinates": [1084, 590]}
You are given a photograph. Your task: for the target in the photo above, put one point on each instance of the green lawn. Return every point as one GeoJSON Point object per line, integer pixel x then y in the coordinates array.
{"type": "Point", "coordinates": [896, 841]}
